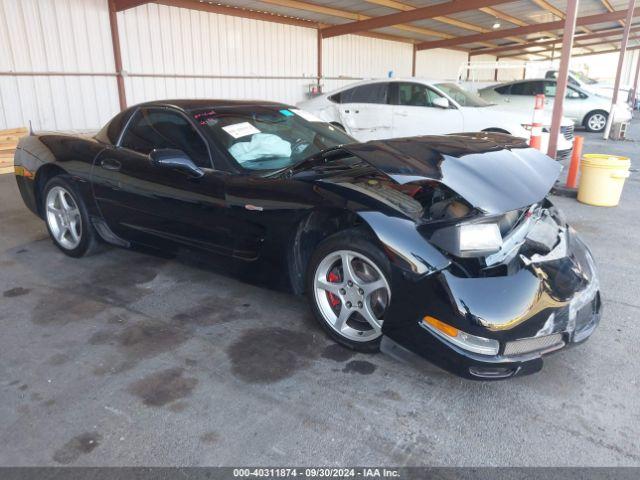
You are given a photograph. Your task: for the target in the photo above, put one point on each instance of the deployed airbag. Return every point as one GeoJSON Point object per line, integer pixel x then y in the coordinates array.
{"type": "Point", "coordinates": [261, 145]}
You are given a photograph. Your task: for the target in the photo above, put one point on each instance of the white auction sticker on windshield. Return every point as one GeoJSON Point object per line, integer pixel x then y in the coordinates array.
{"type": "Point", "coordinates": [309, 117]}
{"type": "Point", "coordinates": [238, 130]}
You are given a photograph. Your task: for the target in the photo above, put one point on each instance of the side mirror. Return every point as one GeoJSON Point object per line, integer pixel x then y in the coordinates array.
{"type": "Point", "coordinates": [440, 102]}
{"type": "Point", "coordinates": [175, 159]}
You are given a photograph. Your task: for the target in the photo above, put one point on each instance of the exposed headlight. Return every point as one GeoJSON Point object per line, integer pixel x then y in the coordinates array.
{"type": "Point", "coordinates": [480, 237]}
{"type": "Point", "coordinates": [472, 343]}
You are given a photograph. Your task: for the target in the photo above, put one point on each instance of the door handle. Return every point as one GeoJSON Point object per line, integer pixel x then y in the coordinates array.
{"type": "Point", "coordinates": [402, 114]}
{"type": "Point", "coordinates": [110, 164]}
{"type": "Point", "coordinates": [346, 111]}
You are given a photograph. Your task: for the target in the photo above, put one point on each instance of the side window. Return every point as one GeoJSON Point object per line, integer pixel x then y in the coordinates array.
{"type": "Point", "coordinates": [504, 90]}
{"type": "Point", "coordinates": [416, 95]}
{"type": "Point", "coordinates": [111, 131]}
{"type": "Point", "coordinates": [549, 89]}
{"type": "Point", "coordinates": [527, 88]}
{"type": "Point", "coordinates": [574, 94]}
{"type": "Point", "coordinates": [336, 97]}
{"type": "Point", "coordinates": [372, 93]}
{"type": "Point", "coordinates": [159, 128]}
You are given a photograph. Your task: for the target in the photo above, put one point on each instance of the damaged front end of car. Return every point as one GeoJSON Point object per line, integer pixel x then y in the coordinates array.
{"type": "Point", "coordinates": [488, 277]}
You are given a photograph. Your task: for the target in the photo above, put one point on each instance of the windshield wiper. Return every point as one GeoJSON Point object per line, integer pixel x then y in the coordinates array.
{"type": "Point", "coordinates": [291, 169]}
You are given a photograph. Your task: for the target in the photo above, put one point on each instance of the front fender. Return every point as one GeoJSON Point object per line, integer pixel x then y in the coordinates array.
{"type": "Point", "coordinates": [404, 245]}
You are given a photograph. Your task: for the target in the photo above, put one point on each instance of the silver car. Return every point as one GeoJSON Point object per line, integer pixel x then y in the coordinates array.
{"type": "Point", "coordinates": [585, 108]}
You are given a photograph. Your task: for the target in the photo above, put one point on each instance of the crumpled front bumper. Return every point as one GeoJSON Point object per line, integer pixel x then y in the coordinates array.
{"type": "Point", "coordinates": [555, 296]}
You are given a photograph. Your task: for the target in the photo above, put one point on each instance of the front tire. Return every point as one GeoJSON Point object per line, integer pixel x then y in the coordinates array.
{"type": "Point", "coordinates": [596, 121]}
{"type": "Point", "coordinates": [67, 218]}
{"type": "Point", "coordinates": [349, 290]}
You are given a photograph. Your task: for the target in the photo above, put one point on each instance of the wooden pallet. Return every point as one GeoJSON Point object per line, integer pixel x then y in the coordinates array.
{"type": "Point", "coordinates": [8, 143]}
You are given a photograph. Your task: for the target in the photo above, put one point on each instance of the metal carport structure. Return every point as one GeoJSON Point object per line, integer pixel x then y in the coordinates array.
{"type": "Point", "coordinates": [66, 52]}
{"type": "Point", "coordinates": [525, 29]}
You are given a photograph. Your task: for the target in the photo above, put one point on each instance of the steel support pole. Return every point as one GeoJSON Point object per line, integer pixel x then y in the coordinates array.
{"type": "Point", "coordinates": [616, 85]}
{"type": "Point", "coordinates": [413, 61]}
{"type": "Point", "coordinates": [117, 55]}
{"type": "Point", "coordinates": [319, 66]}
{"type": "Point", "coordinates": [563, 75]}
{"type": "Point", "coordinates": [635, 83]}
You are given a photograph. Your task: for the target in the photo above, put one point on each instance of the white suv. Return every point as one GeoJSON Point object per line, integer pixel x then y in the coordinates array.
{"type": "Point", "coordinates": [391, 108]}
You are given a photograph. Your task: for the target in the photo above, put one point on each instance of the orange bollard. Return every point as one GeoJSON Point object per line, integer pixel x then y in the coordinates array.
{"type": "Point", "coordinates": [536, 123]}
{"type": "Point", "coordinates": [574, 166]}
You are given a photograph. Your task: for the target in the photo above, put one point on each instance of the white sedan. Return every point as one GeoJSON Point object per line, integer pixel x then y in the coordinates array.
{"type": "Point", "coordinates": [391, 108]}
{"type": "Point", "coordinates": [584, 108]}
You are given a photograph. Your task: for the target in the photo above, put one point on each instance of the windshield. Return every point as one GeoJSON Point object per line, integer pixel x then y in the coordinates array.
{"type": "Point", "coordinates": [268, 138]}
{"type": "Point", "coordinates": [464, 98]}
{"type": "Point", "coordinates": [583, 78]}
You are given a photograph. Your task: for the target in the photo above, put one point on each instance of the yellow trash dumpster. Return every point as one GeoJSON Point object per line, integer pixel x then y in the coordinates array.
{"type": "Point", "coordinates": [602, 178]}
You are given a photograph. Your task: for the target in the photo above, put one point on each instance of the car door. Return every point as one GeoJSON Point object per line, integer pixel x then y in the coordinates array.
{"type": "Point", "coordinates": [153, 204]}
{"type": "Point", "coordinates": [416, 112]}
{"type": "Point", "coordinates": [574, 101]}
{"type": "Point", "coordinates": [365, 111]}
{"type": "Point", "coordinates": [521, 95]}
{"type": "Point", "coordinates": [499, 95]}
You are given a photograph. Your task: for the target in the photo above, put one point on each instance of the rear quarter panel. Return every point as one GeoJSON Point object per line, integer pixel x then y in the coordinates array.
{"type": "Point", "coordinates": [38, 157]}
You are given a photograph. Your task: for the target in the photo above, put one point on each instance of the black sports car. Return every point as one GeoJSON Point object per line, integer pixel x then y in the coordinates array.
{"type": "Point", "coordinates": [444, 246]}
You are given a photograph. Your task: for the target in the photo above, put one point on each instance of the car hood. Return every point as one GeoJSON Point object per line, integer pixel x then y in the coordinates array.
{"type": "Point", "coordinates": [494, 172]}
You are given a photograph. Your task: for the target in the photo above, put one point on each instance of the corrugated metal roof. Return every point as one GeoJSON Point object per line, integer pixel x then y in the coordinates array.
{"type": "Point", "coordinates": [461, 24]}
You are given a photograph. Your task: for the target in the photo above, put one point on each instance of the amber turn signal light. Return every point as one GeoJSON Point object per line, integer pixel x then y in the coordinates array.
{"type": "Point", "coordinates": [443, 327]}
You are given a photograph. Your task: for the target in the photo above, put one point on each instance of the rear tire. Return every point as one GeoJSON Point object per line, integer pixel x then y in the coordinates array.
{"type": "Point", "coordinates": [596, 121]}
{"type": "Point", "coordinates": [349, 303]}
{"type": "Point", "coordinates": [67, 218]}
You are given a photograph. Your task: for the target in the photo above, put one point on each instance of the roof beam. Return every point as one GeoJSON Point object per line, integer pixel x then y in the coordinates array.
{"type": "Point", "coordinates": [549, 8]}
{"type": "Point", "coordinates": [602, 52]}
{"type": "Point", "coordinates": [503, 16]}
{"type": "Point", "coordinates": [236, 12]}
{"type": "Point", "coordinates": [575, 45]}
{"type": "Point", "coordinates": [421, 13]}
{"type": "Point", "coordinates": [339, 13]}
{"type": "Point", "coordinates": [585, 36]}
{"type": "Point", "coordinates": [442, 19]}
{"type": "Point", "coordinates": [121, 5]}
{"type": "Point", "coordinates": [271, 17]}
{"type": "Point", "coordinates": [407, 8]}
{"type": "Point", "coordinates": [610, 8]}
{"type": "Point", "coordinates": [556, 11]}
{"type": "Point", "coordinates": [511, 19]}
{"type": "Point", "coordinates": [534, 28]}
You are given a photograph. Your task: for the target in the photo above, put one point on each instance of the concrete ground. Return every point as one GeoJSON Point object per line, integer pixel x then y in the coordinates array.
{"type": "Point", "coordinates": [129, 359]}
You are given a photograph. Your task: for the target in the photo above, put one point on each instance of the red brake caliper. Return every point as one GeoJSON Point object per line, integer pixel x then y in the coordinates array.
{"type": "Point", "coordinates": [333, 299]}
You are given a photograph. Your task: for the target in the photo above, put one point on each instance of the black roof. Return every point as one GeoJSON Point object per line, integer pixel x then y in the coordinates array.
{"type": "Point", "coordinates": [198, 104]}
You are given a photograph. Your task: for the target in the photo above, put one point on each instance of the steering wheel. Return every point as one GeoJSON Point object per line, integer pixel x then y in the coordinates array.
{"type": "Point", "coordinates": [299, 146]}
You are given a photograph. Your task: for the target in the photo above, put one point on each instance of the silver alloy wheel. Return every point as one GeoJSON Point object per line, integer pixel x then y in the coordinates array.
{"type": "Point", "coordinates": [63, 218]}
{"type": "Point", "coordinates": [597, 121]}
{"type": "Point", "coordinates": [352, 294]}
